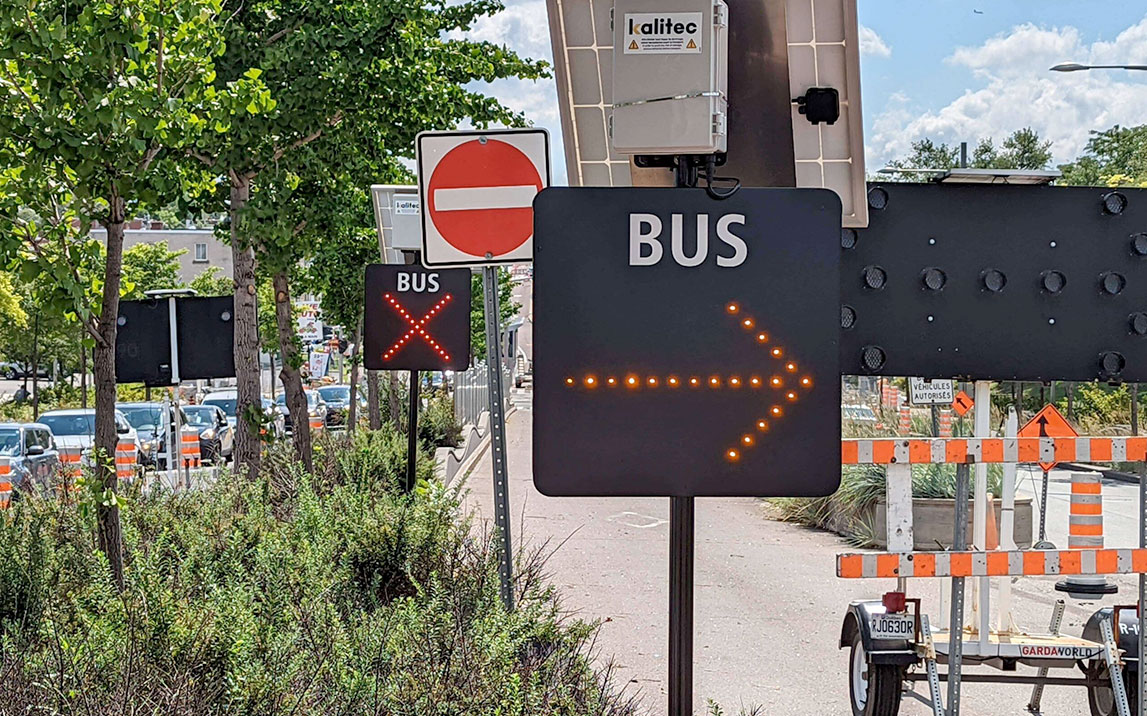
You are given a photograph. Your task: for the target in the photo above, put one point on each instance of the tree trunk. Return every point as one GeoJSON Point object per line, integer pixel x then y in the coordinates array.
{"type": "Point", "coordinates": [393, 408]}
{"type": "Point", "coordinates": [103, 365]}
{"type": "Point", "coordinates": [248, 448]}
{"type": "Point", "coordinates": [352, 410]}
{"type": "Point", "coordinates": [289, 374]}
{"type": "Point", "coordinates": [372, 400]}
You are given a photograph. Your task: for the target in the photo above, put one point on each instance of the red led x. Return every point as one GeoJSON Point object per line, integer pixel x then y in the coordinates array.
{"type": "Point", "coordinates": [417, 328]}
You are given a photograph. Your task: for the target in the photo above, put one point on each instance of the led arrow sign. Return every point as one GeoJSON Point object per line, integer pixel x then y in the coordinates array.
{"type": "Point", "coordinates": [686, 346]}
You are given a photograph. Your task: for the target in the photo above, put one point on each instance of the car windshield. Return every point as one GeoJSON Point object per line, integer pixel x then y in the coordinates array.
{"type": "Point", "coordinates": [83, 424]}
{"type": "Point", "coordinates": [143, 417]}
{"type": "Point", "coordinates": [312, 398]}
{"type": "Point", "coordinates": [201, 416]}
{"type": "Point", "coordinates": [9, 442]}
{"type": "Point", "coordinates": [335, 394]}
{"type": "Point", "coordinates": [227, 405]}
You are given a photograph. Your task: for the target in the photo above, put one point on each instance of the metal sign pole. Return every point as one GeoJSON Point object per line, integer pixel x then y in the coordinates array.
{"type": "Point", "coordinates": [681, 525]}
{"type": "Point", "coordinates": [498, 434]}
{"type": "Point", "coordinates": [956, 621]}
{"type": "Point", "coordinates": [412, 432]}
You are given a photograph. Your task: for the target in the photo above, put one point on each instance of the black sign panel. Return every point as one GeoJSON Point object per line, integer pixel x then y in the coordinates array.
{"type": "Point", "coordinates": [997, 282]}
{"type": "Point", "coordinates": [206, 337]}
{"type": "Point", "coordinates": [416, 318]}
{"type": "Point", "coordinates": [205, 333]}
{"type": "Point", "coordinates": [686, 346]}
{"type": "Point", "coordinates": [143, 343]}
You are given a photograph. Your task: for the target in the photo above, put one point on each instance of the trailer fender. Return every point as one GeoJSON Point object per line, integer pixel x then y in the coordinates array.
{"type": "Point", "coordinates": [1127, 634]}
{"type": "Point", "coordinates": [880, 651]}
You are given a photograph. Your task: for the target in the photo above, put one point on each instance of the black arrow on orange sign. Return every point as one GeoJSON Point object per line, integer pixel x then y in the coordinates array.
{"type": "Point", "coordinates": [786, 380]}
{"type": "Point", "coordinates": [1042, 422]}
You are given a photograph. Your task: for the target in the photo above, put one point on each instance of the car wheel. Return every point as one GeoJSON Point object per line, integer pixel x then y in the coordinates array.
{"type": "Point", "coordinates": [873, 689]}
{"type": "Point", "coordinates": [1101, 699]}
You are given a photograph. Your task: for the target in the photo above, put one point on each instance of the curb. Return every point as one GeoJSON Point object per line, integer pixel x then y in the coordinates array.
{"type": "Point", "coordinates": [468, 463]}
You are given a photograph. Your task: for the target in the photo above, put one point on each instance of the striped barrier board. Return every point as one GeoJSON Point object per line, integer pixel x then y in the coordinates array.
{"type": "Point", "coordinates": [1027, 563]}
{"type": "Point", "coordinates": [5, 482]}
{"type": "Point", "coordinates": [924, 451]}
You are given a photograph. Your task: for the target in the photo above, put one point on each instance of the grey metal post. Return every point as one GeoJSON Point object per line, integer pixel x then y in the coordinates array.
{"type": "Point", "coordinates": [412, 433]}
{"type": "Point", "coordinates": [956, 622]}
{"type": "Point", "coordinates": [1141, 672]}
{"type": "Point", "coordinates": [498, 434]}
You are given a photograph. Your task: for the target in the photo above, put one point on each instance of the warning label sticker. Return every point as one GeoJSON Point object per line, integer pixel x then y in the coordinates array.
{"type": "Point", "coordinates": [652, 33]}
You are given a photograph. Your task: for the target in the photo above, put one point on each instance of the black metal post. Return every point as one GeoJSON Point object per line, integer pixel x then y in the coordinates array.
{"type": "Point", "coordinates": [681, 556]}
{"type": "Point", "coordinates": [412, 433]}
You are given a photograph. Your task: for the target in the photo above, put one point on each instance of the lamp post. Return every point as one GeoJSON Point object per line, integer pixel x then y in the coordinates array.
{"type": "Point", "coordinates": [1076, 67]}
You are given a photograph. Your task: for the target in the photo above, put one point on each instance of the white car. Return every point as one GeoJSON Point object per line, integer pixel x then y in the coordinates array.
{"type": "Point", "coordinates": [77, 428]}
{"type": "Point", "coordinates": [227, 400]}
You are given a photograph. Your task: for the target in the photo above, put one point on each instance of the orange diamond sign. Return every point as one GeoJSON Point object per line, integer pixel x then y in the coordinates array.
{"type": "Point", "coordinates": [1048, 423]}
{"type": "Point", "coordinates": [962, 403]}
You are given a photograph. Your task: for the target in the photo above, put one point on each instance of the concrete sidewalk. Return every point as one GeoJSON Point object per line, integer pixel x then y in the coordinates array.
{"type": "Point", "coordinates": [768, 603]}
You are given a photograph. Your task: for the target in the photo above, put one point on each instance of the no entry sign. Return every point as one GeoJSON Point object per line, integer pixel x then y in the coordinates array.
{"type": "Point", "coordinates": [478, 190]}
{"type": "Point", "coordinates": [685, 346]}
{"type": "Point", "coordinates": [416, 319]}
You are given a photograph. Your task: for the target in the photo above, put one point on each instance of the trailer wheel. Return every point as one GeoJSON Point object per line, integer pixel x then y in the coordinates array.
{"type": "Point", "coordinates": [874, 689]}
{"type": "Point", "coordinates": [1101, 699]}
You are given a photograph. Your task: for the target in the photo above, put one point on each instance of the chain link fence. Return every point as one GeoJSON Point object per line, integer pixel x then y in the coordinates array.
{"type": "Point", "coordinates": [472, 392]}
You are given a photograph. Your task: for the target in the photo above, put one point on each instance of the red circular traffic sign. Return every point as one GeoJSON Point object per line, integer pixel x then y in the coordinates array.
{"type": "Point", "coordinates": [477, 222]}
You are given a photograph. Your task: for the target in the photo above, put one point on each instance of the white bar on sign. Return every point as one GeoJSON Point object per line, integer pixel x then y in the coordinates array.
{"type": "Point", "coordinates": [486, 197]}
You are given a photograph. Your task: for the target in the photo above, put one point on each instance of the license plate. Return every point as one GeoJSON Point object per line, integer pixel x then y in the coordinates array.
{"type": "Point", "coordinates": [892, 626]}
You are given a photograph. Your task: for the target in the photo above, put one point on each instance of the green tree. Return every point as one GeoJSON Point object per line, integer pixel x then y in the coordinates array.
{"type": "Point", "coordinates": [352, 83]}
{"type": "Point", "coordinates": [95, 98]}
{"type": "Point", "coordinates": [211, 283]}
{"type": "Point", "coordinates": [148, 267]}
{"type": "Point", "coordinates": [1022, 149]}
{"type": "Point", "coordinates": [1113, 157]}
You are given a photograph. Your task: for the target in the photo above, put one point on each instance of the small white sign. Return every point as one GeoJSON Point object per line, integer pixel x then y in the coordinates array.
{"type": "Point", "coordinates": [663, 33]}
{"type": "Point", "coordinates": [407, 207]}
{"type": "Point", "coordinates": [931, 392]}
{"type": "Point", "coordinates": [318, 364]}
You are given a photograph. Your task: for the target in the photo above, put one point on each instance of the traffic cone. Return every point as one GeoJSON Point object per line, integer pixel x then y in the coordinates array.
{"type": "Point", "coordinates": [1085, 531]}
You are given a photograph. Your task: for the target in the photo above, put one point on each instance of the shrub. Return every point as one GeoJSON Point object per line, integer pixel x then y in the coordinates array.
{"type": "Point", "coordinates": [294, 593]}
{"type": "Point", "coordinates": [437, 425]}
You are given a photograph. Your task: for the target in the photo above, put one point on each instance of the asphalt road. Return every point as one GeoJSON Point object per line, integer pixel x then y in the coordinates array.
{"type": "Point", "coordinates": [768, 603]}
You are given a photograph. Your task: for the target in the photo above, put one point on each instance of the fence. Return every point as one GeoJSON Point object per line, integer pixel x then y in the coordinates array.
{"type": "Point", "coordinates": [472, 392]}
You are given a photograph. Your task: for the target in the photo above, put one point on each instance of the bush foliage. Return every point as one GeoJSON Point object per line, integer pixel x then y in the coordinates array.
{"type": "Point", "coordinates": [324, 593]}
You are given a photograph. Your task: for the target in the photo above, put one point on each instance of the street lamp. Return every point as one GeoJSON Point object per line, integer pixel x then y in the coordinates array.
{"type": "Point", "coordinates": [1076, 67]}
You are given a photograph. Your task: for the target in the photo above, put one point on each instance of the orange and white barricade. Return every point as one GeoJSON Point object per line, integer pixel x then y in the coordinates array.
{"type": "Point", "coordinates": [5, 482]}
{"type": "Point", "coordinates": [317, 423]}
{"type": "Point", "coordinates": [126, 460]}
{"type": "Point", "coordinates": [189, 449]}
{"type": "Point", "coordinates": [71, 468]}
{"type": "Point", "coordinates": [905, 420]}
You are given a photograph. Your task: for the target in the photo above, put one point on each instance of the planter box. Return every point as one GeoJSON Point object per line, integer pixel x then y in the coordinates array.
{"type": "Point", "coordinates": [933, 521]}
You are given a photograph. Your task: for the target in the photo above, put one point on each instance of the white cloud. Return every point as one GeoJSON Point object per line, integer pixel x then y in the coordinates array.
{"type": "Point", "coordinates": [1018, 91]}
{"type": "Point", "coordinates": [872, 44]}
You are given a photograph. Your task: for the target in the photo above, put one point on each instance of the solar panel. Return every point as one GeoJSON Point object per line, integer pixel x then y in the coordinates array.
{"type": "Point", "coordinates": [823, 51]}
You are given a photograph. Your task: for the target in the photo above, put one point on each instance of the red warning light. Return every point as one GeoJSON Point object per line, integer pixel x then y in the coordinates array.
{"type": "Point", "coordinates": [417, 328]}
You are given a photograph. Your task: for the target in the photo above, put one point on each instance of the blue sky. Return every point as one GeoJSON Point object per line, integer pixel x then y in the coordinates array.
{"type": "Point", "coordinates": [937, 68]}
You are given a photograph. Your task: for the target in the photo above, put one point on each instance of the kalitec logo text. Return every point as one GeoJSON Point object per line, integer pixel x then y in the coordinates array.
{"type": "Point", "coordinates": [661, 26]}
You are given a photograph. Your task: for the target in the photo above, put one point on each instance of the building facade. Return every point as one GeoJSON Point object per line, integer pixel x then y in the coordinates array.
{"type": "Point", "coordinates": [201, 249]}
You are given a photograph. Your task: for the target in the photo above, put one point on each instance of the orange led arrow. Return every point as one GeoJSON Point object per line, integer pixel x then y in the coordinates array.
{"type": "Point", "coordinates": [785, 379]}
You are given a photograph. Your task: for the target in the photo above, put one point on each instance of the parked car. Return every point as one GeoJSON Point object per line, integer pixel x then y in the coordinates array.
{"type": "Point", "coordinates": [316, 407]}
{"type": "Point", "coordinates": [14, 370]}
{"type": "Point", "coordinates": [77, 428]}
{"type": "Point", "coordinates": [337, 398]}
{"type": "Point", "coordinates": [227, 400]}
{"type": "Point", "coordinates": [216, 433]}
{"type": "Point", "coordinates": [31, 454]}
{"type": "Point", "coordinates": [152, 429]}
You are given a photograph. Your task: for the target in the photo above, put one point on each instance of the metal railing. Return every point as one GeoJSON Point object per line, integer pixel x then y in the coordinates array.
{"type": "Point", "coordinates": [472, 392]}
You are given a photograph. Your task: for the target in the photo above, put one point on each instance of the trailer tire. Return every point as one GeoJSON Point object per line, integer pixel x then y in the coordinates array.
{"type": "Point", "coordinates": [873, 689]}
{"type": "Point", "coordinates": [1101, 699]}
